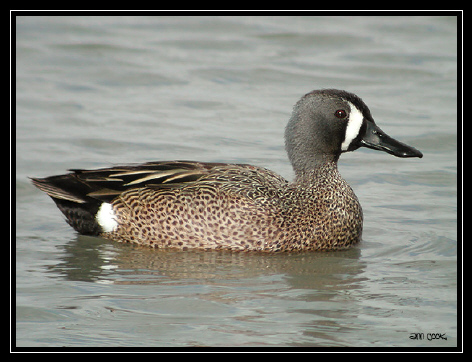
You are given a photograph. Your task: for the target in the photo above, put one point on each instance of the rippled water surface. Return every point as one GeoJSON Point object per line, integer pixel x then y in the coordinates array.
{"type": "Point", "coordinates": [97, 91]}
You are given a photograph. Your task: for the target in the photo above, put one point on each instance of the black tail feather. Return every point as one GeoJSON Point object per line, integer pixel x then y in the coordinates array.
{"type": "Point", "coordinates": [70, 196]}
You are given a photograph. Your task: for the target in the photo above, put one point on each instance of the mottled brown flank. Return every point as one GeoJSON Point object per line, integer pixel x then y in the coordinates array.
{"type": "Point", "coordinates": [243, 207]}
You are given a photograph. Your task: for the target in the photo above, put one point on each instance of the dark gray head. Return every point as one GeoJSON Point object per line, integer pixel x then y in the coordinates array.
{"type": "Point", "coordinates": [327, 122]}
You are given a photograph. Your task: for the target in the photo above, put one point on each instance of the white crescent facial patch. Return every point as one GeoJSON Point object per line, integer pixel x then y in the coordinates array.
{"type": "Point", "coordinates": [353, 126]}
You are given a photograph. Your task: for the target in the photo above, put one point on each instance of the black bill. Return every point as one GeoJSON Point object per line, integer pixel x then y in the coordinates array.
{"type": "Point", "coordinates": [377, 139]}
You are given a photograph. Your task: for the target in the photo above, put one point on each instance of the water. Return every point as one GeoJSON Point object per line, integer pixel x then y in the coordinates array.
{"type": "Point", "coordinates": [97, 91]}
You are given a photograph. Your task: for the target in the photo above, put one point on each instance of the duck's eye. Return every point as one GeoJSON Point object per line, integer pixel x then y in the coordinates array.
{"type": "Point", "coordinates": [340, 113]}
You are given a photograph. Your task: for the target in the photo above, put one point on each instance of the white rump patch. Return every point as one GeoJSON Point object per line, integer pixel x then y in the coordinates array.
{"type": "Point", "coordinates": [353, 126]}
{"type": "Point", "coordinates": [106, 218]}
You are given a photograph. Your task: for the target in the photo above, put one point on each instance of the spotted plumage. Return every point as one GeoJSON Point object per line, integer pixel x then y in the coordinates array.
{"type": "Point", "coordinates": [185, 204]}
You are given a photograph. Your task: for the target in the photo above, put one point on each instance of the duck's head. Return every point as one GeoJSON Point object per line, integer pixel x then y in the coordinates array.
{"type": "Point", "coordinates": [328, 122]}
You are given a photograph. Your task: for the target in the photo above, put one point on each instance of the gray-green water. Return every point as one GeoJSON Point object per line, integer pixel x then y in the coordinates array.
{"type": "Point", "coordinates": [96, 91]}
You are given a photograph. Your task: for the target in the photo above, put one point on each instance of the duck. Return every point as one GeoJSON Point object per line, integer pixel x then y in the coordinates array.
{"type": "Point", "coordinates": [214, 206]}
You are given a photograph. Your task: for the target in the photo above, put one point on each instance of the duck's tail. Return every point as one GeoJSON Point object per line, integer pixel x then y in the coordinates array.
{"type": "Point", "coordinates": [71, 197]}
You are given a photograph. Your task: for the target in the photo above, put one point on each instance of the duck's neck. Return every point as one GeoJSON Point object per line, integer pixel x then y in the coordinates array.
{"type": "Point", "coordinates": [320, 168]}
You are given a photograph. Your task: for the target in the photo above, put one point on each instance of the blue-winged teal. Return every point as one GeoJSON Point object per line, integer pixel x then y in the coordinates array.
{"type": "Point", "coordinates": [182, 204]}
